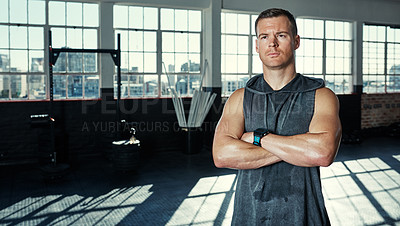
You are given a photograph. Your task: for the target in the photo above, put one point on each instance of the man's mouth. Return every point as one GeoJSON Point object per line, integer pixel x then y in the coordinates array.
{"type": "Point", "coordinates": [273, 54]}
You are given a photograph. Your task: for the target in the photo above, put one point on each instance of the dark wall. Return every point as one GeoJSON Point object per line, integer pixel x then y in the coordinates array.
{"type": "Point", "coordinates": [88, 128]}
{"type": "Point", "coordinates": [350, 112]}
{"type": "Point", "coordinates": [85, 128]}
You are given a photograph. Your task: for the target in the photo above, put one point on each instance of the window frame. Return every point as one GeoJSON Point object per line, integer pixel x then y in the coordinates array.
{"type": "Point", "coordinates": [28, 73]}
{"type": "Point", "coordinates": [227, 87]}
{"type": "Point", "coordinates": [324, 55]}
{"type": "Point", "coordinates": [46, 27]}
{"type": "Point", "coordinates": [162, 85]}
{"type": "Point", "coordinates": [365, 59]}
{"type": "Point", "coordinates": [73, 74]}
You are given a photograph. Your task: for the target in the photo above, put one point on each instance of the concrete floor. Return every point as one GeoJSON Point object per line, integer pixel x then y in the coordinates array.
{"type": "Point", "coordinates": [362, 187]}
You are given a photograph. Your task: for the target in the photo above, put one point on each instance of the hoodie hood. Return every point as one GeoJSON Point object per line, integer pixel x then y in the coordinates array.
{"type": "Point", "coordinates": [299, 83]}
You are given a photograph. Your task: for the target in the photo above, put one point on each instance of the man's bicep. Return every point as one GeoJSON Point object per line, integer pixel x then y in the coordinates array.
{"type": "Point", "coordinates": [231, 125]}
{"type": "Point", "coordinates": [326, 113]}
{"type": "Point", "coordinates": [232, 119]}
{"type": "Point", "coordinates": [325, 124]}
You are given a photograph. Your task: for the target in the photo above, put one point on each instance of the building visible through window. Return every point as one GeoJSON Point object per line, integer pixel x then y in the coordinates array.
{"type": "Point", "coordinates": [75, 25]}
{"type": "Point", "coordinates": [381, 59]}
{"type": "Point", "coordinates": [239, 60]}
{"type": "Point", "coordinates": [146, 45]}
{"type": "Point", "coordinates": [22, 50]}
{"type": "Point", "coordinates": [326, 52]}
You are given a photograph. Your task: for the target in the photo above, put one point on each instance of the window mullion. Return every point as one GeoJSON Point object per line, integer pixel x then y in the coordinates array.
{"type": "Point", "coordinates": [9, 86]}
{"type": "Point", "coordinates": [83, 86]}
{"type": "Point", "coordinates": [250, 50]}
{"type": "Point", "coordinates": [9, 52]}
{"type": "Point", "coordinates": [159, 54]}
{"type": "Point", "coordinates": [385, 59]}
{"type": "Point", "coordinates": [28, 84]}
{"type": "Point", "coordinates": [66, 86]}
{"type": "Point", "coordinates": [324, 52]}
{"type": "Point", "coordinates": [46, 50]}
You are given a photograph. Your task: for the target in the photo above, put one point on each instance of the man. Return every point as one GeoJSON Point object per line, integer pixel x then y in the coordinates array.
{"type": "Point", "coordinates": [278, 131]}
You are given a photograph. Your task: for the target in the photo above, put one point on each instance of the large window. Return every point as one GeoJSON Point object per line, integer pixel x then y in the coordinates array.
{"type": "Point", "coordinates": [22, 50]}
{"type": "Point", "coordinates": [75, 25]}
{"type": "Point", "coordinates": [381, 59]}
{"type": "Point", "coordinates": [326, 52]}
{"type": "Point", "coordinates": [23, 29]}
{"type": "Point", "coordinates": [138, 28]}
{"type": "Point", "coordinates": [239, 60]}
{"type": "Point", "coordinates": [181, 48]}
{"type": "Point", "coordinates": [152, 37]}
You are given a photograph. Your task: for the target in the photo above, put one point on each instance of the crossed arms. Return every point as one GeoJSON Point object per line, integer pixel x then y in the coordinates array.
{"type": "Point", "coordinates": [232, 148]}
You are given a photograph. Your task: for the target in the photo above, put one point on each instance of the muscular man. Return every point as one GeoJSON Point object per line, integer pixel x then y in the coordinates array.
{"type": "Point", "coordinates": [278, 131]}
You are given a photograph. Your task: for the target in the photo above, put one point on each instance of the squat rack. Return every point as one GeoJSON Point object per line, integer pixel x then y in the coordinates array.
{"type": "Point", "coordinates": [54, 53]}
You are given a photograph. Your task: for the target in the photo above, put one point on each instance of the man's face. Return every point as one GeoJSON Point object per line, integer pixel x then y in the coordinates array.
{"type": "Point", "coordinates": [275, 43]}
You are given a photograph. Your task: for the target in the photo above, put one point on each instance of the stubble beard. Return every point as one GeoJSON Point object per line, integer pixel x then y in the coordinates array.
{"type": "Point", "coordinates": [283, 65]}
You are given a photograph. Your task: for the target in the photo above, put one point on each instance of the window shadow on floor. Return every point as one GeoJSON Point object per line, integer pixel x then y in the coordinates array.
{"type": "Point", "coordinates": [163, 188]}
{"type": "Point", "coordinates": [362, 187]}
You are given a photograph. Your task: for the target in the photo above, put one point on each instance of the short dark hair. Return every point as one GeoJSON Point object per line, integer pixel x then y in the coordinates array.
{"type": "Point", "coordinates": [275, 12]}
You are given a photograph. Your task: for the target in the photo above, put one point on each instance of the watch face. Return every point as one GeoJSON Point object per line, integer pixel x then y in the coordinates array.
{"type": "Point", "coordinates": [258, 134]}
{"type": "Point", "coordinates": [261, 132]}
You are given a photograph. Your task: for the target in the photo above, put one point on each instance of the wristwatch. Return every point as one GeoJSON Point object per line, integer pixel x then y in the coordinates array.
{"type": "Point", "coordinates": [258, 134]}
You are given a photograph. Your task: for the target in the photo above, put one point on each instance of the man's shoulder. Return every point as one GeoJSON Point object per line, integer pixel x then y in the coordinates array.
{"type": "Point", "coordinates": [234, 103]}
{"type": "Point", "coordinates": [325, 96]}
{"type": "Point", "coordinates": [237, 95]}
{"type": "Point", "coordinates": [325, 92]}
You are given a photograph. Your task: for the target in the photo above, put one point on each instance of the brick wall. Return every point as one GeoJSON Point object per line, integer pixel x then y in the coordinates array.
{"type": "Point", "coordinates": [379, 110]}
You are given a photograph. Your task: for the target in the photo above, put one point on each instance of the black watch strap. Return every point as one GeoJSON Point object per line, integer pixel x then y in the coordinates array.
{"type": "Point", "coordinates": [258, 134]}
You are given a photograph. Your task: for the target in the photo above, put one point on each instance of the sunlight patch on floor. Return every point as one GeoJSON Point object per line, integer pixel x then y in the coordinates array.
{"type": "Point", "coordinates": [108, 208]}
{"type": "Point", "coordinates": [204, 202]}
{"type": "Point", "coordinates": [362, 191]}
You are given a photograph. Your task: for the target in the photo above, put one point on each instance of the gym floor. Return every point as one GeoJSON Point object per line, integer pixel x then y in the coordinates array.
{"type": "Point", "coordinates": [362, 187]}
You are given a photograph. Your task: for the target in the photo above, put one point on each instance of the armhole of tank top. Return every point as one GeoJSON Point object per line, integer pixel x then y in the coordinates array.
{"type": "Point", "coordinates": [313, 108]}
{"type": "Point", "coordinates": [245, 116]}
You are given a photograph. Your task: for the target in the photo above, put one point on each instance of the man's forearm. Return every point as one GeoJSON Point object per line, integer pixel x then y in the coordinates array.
{"type": "Point", "coordinates": [310, 149]}
{"type": "Point", "coordinates": [230, 152]}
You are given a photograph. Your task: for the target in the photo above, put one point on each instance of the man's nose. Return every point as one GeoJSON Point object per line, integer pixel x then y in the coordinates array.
{"type": "Point", "coordinates": [273, 42]}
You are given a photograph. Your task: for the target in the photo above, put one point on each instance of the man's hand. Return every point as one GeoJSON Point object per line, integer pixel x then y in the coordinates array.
{"type": "Point", "coordinates": [248, 137]}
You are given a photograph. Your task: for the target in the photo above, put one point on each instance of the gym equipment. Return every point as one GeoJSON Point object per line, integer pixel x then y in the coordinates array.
{"type": "Point", "coordinates": [199, 107]}
{"type": "Point", "coordinates": [55, 170]}
{"type": "Point", "coordinates": [126, 153]}
{"type": "Point", "coordinates": [115, 54]}
{"type": "Point", "coordinates": [194, 140]}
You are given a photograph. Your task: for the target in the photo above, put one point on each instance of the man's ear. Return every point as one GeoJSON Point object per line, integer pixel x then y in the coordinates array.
{"type": "Point", "coordinates": [296, 42]}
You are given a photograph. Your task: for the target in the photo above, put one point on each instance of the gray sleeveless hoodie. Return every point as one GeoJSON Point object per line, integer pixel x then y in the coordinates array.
{"type": "Point", "coordinates": [282, 193]}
